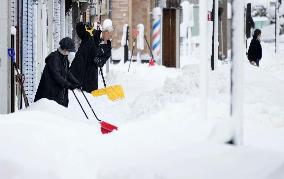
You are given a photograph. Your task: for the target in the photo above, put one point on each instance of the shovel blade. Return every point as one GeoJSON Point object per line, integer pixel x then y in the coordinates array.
{"type": "Point", "coordinates": [107, 127]}
{"type": "Point", "coordinates": [151, 62]}
{"type": "Point", "coordinates": [113, 92]}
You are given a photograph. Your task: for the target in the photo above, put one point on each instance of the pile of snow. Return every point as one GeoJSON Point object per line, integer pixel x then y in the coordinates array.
{"type": "Point", "coordinates": [117, 54]}
{"type": "Point", "coordinates": [264, 102]}
{"type": "Point", "coordinates": [160, 132]}
{"type": "Point", "coordinates": [268, 33]}
{"type": "Point", "coordinates": [42, 145]}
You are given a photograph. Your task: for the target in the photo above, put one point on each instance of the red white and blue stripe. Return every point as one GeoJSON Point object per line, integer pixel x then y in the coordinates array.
{"type": "Point", "coordinates": [156, 45]}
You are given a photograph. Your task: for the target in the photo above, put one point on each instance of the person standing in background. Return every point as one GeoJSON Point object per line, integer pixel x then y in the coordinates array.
{"type": "Point", "coordinates": [255, 49]}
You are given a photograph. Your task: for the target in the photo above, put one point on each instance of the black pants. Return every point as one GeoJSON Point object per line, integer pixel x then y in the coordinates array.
{"type": "Point", "coordinates": [257, 62]}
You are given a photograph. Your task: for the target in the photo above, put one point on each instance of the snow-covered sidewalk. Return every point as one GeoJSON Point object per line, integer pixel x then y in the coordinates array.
{"type": "Point", "coordinates": [42, 145]}
{"type": "Point", "coordinates": [161, 134]}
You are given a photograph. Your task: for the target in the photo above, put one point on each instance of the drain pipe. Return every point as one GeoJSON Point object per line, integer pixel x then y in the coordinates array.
{"type": "Point", "coordinates": [109, 16]}
{"type": "Point", "coordinates": [110, 9]}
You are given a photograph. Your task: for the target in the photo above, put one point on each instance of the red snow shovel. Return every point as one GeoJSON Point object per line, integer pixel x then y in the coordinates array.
{"type": "Point", "coordinates": [105, 127]}
{"type": "Point", "coordinates": [152, 61]}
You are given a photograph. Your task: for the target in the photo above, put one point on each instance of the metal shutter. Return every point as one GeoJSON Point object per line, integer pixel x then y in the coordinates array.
{"type": "Point", "coordinates": [13, 12]}
{"type": "Point", "coordinates": [27, 49]}
{"type": "Point", "coordinates": [56, 23]}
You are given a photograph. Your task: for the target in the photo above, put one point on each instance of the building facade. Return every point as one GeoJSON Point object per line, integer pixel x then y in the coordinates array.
{"type": "Point", "coordinates": [34, 27]}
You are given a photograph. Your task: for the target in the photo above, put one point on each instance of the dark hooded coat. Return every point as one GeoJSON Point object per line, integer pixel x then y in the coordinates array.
{"type": "Point", "coordinates": [255, 50]}
{"type": "Point", "coordinates": [90, 55]}
{"type": "Point", "coordinates": [56, 79]}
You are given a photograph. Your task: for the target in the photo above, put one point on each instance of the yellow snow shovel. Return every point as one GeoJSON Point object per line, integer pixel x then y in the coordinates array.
{"type": "Point", "coordinates": [113, 93]}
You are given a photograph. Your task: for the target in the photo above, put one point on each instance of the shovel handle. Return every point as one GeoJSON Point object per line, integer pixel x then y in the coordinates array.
{"type": "Point", "coordinates": [149, 46]}
{"type": "Point", "coordinates": [105, 127]}
{"type": "Point", "coordinates": [11, 54]}
{"type": "Point", "coordinates": [80, 104]}
{"type": "Point", "coordinates": [101, 70]}
{"type": "Point", "coordinates": [90, 105]}
{"type": "Point", "coordinates": [133, 46]}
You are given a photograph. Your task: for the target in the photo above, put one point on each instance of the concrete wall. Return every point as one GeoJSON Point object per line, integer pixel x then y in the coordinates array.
{"type": "Point", "coordinates": [5, 64]}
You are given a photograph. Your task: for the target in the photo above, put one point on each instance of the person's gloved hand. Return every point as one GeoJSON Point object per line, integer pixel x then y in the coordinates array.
{"type": "Point", "coordinates": [78, 86]}
{"type": "Point", "coordinates": [72, 87]}
{"type": "Point", "coordinates": [100, 62]}
{"type": "Point", "coordinates": [75, 86]}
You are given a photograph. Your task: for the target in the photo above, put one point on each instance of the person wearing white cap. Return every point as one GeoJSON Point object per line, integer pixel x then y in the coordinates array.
{"type": "Point", "coordinates": [105, 44]}
{"type": "Point", "coordinates": [94, 51]}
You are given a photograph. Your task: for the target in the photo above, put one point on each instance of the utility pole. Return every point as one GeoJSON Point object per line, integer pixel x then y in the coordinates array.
{"type": "Point", "coordinates": [203, 12]}
{"type": "Point", "coordinates": [237, 44]}
{"type": "Point", "coordinates": [277, 25]}
{"type": "Point", "coordinates": [214, 16]}
{"type": "Point", "coordinates": [216, 32]}
{"type": "Point", "coordinates": [126, 45]}
{"type": "Point", "coordinates": [5, 62]}
{"type": "Point", "coordinates": [249, 22]}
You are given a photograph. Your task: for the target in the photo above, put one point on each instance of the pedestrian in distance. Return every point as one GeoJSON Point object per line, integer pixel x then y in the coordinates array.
{"type": "Point", "coordinates": [56, 78]}
{"type": "Point", "coordinates": [94, 51]}
{"type": "Point", "coordinates": [255, 49]}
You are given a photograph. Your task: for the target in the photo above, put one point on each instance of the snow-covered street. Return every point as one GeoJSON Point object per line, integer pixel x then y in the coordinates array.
{"type": "Point", "coordinates": [160, 134]}
{"type": "Point", "coordinates": [156, 89]}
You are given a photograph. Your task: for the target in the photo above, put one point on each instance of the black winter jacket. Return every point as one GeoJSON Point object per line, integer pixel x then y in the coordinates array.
{"type": "Point", "coordinates": [90, 55]}
{"type": "Point", "coordinates": [255, 50]}
{"type": "Point", "coordinates": [56, 79]}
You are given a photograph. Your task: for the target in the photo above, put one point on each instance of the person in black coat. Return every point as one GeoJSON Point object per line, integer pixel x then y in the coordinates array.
{"type": "Point", "coordinates": [255, 49]}
{"type": "Point", "coordinates": [94, 51]}
{"type": "Point", "coordinates": [56, 78]}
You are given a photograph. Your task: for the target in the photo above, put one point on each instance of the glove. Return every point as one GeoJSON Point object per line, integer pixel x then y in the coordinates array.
{"type": "Point", "coordinates": [78, 86]}
{"type": "Point", "coordinates": [100, 62]}
{"type": "Point", "coordinates": [75, 86]}
{"type": "Point", "coordinates": [72, 87]}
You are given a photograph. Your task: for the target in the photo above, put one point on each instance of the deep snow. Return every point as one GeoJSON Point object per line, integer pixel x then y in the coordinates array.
{"type": "Point", "coordinates": [160, 131]}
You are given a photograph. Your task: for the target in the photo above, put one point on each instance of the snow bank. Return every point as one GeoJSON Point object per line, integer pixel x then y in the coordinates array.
{"type": "Point", "coordinates": [42, 145]}
{"type": "Point", "coordinates": [268, 33]}
{"type": "Point", "coordinates": [161, 134]}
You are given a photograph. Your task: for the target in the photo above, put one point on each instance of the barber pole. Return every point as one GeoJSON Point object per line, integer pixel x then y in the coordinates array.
{"type": "Point", "coordinates": [156, 28]}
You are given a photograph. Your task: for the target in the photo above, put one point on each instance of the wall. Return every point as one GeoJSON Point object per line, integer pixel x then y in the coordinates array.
{"type": "Point", "coordinates": [5, 64]}
{"type": "Point", "coordinates": [132, 13]}
{"type": "Point", "coordinates": [120, 16]}
{"type": "Point", "coordinates": [141, 14]}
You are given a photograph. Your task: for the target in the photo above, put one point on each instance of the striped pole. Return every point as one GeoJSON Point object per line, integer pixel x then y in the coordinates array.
{"type": "Point", "coordinates": [156, 29]}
